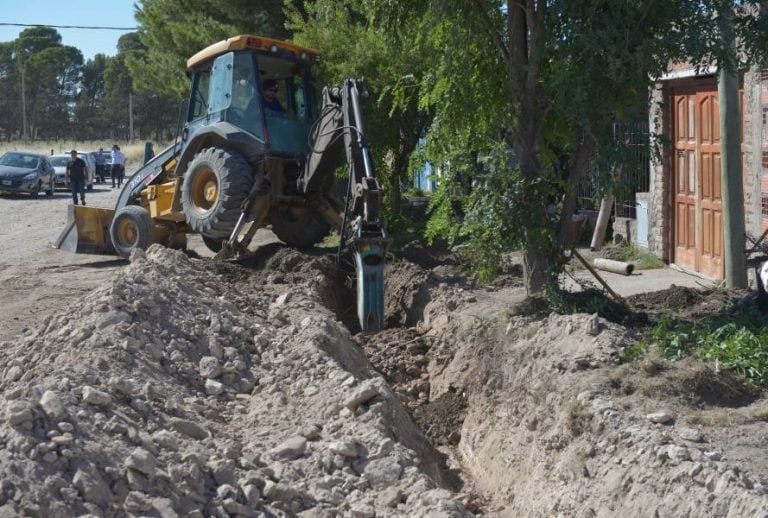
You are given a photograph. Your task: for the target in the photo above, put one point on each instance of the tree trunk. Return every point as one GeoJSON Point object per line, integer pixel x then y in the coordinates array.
{"type": "Point", "coordinates": [535, 268]}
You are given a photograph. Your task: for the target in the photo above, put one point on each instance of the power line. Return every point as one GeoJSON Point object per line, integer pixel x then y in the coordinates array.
{"type": "Point", "coordinates": [90, 27]}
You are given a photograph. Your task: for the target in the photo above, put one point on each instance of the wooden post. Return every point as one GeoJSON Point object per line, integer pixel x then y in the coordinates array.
{"type": "Point", "coordinates": [597, 276]}
{"type": "Point", "coordinates": [598, 236]}
{"type": "Point", "coordinates": [734, 242]}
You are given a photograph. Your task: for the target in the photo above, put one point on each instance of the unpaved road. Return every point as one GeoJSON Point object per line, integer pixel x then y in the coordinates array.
{"type": "Point", "coordinates": [36, 278]}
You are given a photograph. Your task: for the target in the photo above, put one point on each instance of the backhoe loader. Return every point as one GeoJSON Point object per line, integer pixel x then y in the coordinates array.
{"type": "Point", "coordinates": [247, 158]}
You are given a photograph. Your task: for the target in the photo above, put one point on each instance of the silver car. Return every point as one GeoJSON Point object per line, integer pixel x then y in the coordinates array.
{"type": "Point", "coordinates": [26, 172]}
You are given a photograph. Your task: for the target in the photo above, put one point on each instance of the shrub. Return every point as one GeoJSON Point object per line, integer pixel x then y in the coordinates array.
{"type": "Point", "coordinates": [736, 341]}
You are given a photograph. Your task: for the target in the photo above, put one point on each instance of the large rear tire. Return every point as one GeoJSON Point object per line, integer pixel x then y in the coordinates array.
{"type": "Point", "coordinates": [299, 227]}
{"type": "Point", "coordinates": [132, 227]}
{"type": "Point", "coordinates": [216, 184]}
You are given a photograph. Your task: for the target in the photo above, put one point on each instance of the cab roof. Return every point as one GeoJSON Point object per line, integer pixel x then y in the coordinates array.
{"type": "Point", "coordinates": [257, 43]}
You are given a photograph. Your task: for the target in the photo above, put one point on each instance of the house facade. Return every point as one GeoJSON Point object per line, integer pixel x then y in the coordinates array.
{"type": "Point", "coordinates": [684, 202]}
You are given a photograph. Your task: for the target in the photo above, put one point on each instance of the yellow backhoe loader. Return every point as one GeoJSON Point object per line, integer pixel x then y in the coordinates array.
{"type": "Point", "coordinates": [255, 150]}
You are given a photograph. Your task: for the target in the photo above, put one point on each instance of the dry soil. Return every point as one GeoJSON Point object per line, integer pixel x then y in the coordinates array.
{"type": "Point", "coordinates": [174, 385]}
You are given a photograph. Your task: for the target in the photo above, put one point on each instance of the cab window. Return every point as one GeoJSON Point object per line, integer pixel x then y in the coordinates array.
{"type": "Point", "coordinates": [199, 101]}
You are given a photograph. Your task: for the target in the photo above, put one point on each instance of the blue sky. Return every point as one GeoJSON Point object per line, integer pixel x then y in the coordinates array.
{"type": "Point", "coordinates": [110, 13]}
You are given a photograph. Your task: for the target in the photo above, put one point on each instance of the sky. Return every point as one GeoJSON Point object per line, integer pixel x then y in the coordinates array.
{"type": "Point", "coordinates": [90, 13]}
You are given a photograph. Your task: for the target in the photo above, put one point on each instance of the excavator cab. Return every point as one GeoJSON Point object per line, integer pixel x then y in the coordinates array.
{"type": "Point", "coordinates": [268, 94]}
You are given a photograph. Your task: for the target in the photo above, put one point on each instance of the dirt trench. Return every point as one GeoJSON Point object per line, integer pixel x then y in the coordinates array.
{"type": "Point", "coordinates": [538, 415]}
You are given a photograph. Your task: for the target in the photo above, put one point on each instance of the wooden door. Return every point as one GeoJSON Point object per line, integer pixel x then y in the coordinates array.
{"type": "Point", "coordinates": [684, 128]}
{"type": "Point", "coordinates": [698, 205]}
{"type": "Point", "coordinates": [711, 202]}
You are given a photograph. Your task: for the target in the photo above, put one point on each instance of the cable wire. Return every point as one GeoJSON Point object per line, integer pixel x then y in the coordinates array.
{"type": "Point", "coordinates": [89, 27]}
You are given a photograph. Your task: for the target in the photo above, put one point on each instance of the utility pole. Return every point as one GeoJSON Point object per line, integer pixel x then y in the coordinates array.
{"type": "Point", "coordinates": [734, 244]}
{"type": "Point", "coordinates": [130, 117]}
{"type": "Point", "coordinates": [23, 99]}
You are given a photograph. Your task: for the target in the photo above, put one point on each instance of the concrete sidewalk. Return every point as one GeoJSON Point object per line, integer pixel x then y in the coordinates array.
{"type": "Point", "coordinates": [641, 281]}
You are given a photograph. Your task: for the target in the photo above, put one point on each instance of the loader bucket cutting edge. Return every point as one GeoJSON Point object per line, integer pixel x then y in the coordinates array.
{"type": "Point", "coordinates": [369, 263]}
{"type": "Point", "coordinates": [86, 231]}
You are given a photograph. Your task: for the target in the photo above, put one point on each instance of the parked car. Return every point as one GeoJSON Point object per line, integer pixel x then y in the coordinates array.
{"type": "Point", "coordinates": [26, 172]}
{"type": "Point", "coordinates": [60, 162]}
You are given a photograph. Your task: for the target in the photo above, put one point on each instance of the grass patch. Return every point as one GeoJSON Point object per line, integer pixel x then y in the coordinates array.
{"type": "Point", "coordinates": [134, 152]}
{"type": "Point", "coordinates": [640, 258]}
{"type": "Point", "coordinates": [735, 341]}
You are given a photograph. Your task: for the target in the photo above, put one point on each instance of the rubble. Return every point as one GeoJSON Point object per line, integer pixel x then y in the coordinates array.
{"type": "Point", "coordinates": [190, 387]}
{"type": "Point", "coordinates": [170, 392]}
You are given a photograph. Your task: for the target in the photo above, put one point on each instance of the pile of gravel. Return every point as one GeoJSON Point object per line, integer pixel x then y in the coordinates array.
{"type": "Point", "coordinates": [170, 391]}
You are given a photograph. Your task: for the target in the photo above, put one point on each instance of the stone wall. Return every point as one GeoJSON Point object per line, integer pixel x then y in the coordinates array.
{"type": "Point", "coordinates": [751, 151]}
{"type": "Point", "coordinates": [659, 219]}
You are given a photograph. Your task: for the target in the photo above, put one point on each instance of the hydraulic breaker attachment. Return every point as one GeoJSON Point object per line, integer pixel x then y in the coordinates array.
{"type": "Point", "coordinates": [369, 265]}
{"type": "Point", "coordinates": [86, 231]}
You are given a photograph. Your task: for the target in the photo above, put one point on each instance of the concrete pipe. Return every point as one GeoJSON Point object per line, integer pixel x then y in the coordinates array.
{"type": "Point", "coordinates": [610, 265]}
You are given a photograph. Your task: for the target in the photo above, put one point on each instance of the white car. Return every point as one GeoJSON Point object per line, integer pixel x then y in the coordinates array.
{"type": "Point", "coordinates": [59, 163]}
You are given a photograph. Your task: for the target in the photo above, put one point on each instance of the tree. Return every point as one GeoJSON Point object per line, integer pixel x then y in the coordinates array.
{"type": "Point", "coordinates": [51, 78]}
{"type": "Point", "coordinates": [89, 120]}
{"type": "Point", "coordinates": [546, 79]}
{"type": "Point", "coordinates": [367, 40]}
{"type": "Point", "coordinates": [173, 31]}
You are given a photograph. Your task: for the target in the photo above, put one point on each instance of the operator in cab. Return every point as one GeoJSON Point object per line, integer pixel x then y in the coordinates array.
{"type": "Point", "coordinates": [269, 91]}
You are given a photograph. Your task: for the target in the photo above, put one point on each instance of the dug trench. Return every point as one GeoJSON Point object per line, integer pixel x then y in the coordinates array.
{"type": "Point", "coordinates": [192, 387]}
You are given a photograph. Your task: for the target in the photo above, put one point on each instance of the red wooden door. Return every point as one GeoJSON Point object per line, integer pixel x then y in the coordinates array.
{"type": "Point", "coordinates": [711, 203]}
{"type": "Point", "coordinates": [698, 204]}
{"type": "Point", "coordinates": [684, 130]}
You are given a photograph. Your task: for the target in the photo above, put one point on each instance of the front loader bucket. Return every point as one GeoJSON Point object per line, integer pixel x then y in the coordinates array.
{"type": "Point", "coordinates": [87, 231]}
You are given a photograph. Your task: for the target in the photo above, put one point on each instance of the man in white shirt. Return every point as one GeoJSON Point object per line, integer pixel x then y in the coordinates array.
{"type": "Point", "coordinates": [118, 166]}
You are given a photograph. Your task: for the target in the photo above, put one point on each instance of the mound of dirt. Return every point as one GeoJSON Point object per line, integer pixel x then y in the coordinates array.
{"type": "Point", "coordinates": [189, 387]}
{"type": "Point", "coordinates": [555, 426]}
{"type": "Point", "coordinates": [683, 301]}
{"type": "Point", "coordinates": [407, 293]}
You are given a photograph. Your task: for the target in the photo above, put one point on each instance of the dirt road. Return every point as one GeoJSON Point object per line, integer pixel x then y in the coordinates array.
{"type": "Point", "coordinates": [35, 277]}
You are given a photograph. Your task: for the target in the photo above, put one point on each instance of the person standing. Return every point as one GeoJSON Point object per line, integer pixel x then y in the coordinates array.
{"type": "Point", "coordinates": [99, 158]}
{"type": "Point", "coordinates": [75, 175]}
{"type": "Point", "coordinates": [118, 166]}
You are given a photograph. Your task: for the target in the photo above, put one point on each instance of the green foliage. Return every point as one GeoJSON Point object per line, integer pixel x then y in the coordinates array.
{"type": "Point", "coordinates": [401, 229]}
{"type": "Point", "coordinates": [643, 260]}
{"type": "Point", "coordinates": [633, 352]}
{"type": "Point", "coordinates": [484, 204]}
{"type": "Point", "coordinates": [361, 40]}
{"type": "Point", "coordinates": [737, 341]}
{"type": "Point", "coordinates": [173, 31]}
{"type": "Point", "coordinates": [550, 88]}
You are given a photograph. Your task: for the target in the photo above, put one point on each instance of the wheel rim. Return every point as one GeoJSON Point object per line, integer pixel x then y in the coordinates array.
{"type": "Point", "coordinates": [127, 233]}
{"type": "Point", "coordinates": [204, 190]}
